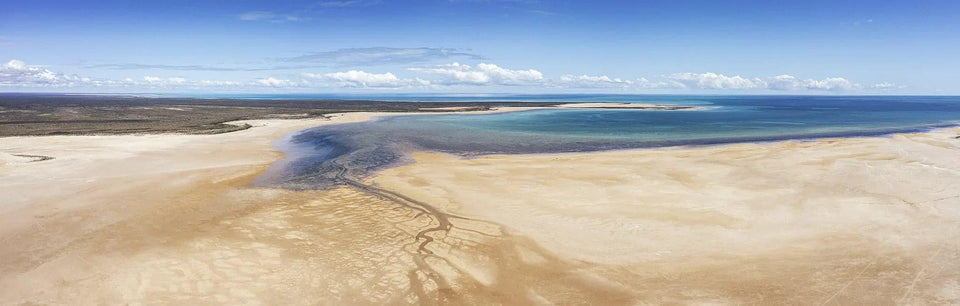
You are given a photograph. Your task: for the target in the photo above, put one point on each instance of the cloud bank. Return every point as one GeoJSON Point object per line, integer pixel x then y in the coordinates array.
{"type": "Point", "coordinates": [599, 81]}
{"type": "Point", "coordinates": [17, 74]}
{"type": "Point", "coordinates": [363, 79]}
{"type": "Point", "coordinates": [710, 80]}
{"type": "Point", "coordinates": [482, 74]}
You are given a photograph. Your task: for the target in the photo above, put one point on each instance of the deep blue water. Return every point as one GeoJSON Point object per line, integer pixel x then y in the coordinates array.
{"type": "Point", "coordinates": [367, 146]}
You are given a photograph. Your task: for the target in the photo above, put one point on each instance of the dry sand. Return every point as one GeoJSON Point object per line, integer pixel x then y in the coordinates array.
{"type": "Point", "coordinates": [842, 221]}
{"type": "Point", "coordinates": [170, 219]}
{"type": "Point", "coordinates": [151, 218]}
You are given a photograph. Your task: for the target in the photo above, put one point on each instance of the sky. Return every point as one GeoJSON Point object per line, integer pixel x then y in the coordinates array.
{"type": "Point", "coordinates": [481, 46]}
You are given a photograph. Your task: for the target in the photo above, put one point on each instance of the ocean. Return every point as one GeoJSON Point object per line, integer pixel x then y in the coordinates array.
{"type": "Point", "coordinates": [358, 149]}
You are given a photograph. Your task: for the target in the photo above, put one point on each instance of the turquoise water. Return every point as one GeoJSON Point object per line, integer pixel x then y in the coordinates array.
{"type": "Point", "coordinates": [367, 146]}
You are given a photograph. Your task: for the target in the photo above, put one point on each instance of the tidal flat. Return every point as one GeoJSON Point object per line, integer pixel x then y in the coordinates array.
{"type": "Point", "coordinates": [180, 218]}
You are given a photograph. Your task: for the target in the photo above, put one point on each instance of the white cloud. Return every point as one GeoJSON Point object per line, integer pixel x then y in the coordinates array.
{"type": "Point", "coordinates": [483, 74]}
{"type": "Point", "coordinates": [363, 79]}
{"type": "Point", "coordinates": [789, 82]}
{"type": "Point", "coordinates": [603, 81]}
{"type": "Point", "coordinates": [171, 81]}
{"type": "Point", "coordinates": [829, 84]}
{"type": "Point", "coordinates": [588, 81]}
{"type": "Point", "coordinates": [712, 80]}
{"type": "Point", "coordinates": [274, 82]}
{"type": "Point", "coordinates": [214, 83]}
{"type": "Point", "coordinates": [784, 82]}
{"type": "Point", "coordinates": [18, 73]}
{"type": "Point", "coordinates": [647, 84]}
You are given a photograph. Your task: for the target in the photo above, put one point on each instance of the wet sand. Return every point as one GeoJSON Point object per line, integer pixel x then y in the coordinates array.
{"type": "Point", "coordinates": [171, 219]}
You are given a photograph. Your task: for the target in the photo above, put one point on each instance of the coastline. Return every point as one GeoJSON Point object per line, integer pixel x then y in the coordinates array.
{"type": "Point", "coordinates": [184, 226]}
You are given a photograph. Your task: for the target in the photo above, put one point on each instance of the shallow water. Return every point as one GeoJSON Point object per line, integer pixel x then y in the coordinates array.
{"type": "Point", "coordinates": [321, 153]}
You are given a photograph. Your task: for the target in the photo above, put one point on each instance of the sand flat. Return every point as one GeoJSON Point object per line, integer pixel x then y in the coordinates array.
{"type": "Point", "coordinates": [859, 220]}
{"type": "Point", "coordinates": [171, 219]}
{"type": "Point", "coordinates": [70, 222]}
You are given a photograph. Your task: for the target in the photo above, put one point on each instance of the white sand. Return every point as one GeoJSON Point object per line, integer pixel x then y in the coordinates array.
{"type": "Point", "coordinates": [864, 220]}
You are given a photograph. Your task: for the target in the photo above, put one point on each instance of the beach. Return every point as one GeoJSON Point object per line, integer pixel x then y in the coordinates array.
{"type": "Point", "coordinates": [172, 219]}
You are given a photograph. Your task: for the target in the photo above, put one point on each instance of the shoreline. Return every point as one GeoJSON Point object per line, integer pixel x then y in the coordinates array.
{"type": "Point", "coordinates": [403, 155]}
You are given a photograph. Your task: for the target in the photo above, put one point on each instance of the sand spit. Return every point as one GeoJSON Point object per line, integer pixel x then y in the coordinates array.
{"type": "Point", "coordinates": [171, 219]}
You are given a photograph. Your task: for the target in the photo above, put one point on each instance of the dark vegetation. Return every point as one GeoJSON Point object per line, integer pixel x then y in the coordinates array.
{"type": "Point", "coordinates": [57, 114]}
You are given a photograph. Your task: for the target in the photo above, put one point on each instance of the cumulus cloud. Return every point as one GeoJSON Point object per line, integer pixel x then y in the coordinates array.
{"type": "Point", "coordinates": [643, 83]}
{"type": "Point", "coordinates": [214, 83]}
{"type": "Point", "coordinates": [152, 80]}
{"type": "Point", "coordinates": [18, 73]}
{"type": "Point", "coordinates": [712, 80]}
{"type": "Point", "coordinates": [784, 82]}
{"type": "Point", "coordinates": [268, 17]}
{"type": "Point", "coordinates": [829, 84]}
{"type": "Point", "coordinates": [589, 81]}
{"type": "Point", "coordinates": [788, 82]}
{"type": "Point", "coordinates": [363, 79]}
{"type": "Point", "coordinates": [483, 74]}
{"type": "Point", "coordinates": [275, 82]}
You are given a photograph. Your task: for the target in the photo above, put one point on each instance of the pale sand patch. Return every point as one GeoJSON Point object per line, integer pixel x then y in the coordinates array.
{"type": "Point", "coordinates": [860, 220]}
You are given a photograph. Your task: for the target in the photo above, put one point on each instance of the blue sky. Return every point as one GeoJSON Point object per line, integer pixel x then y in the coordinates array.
{"type": "Point", "coordinates": [482, 46]}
